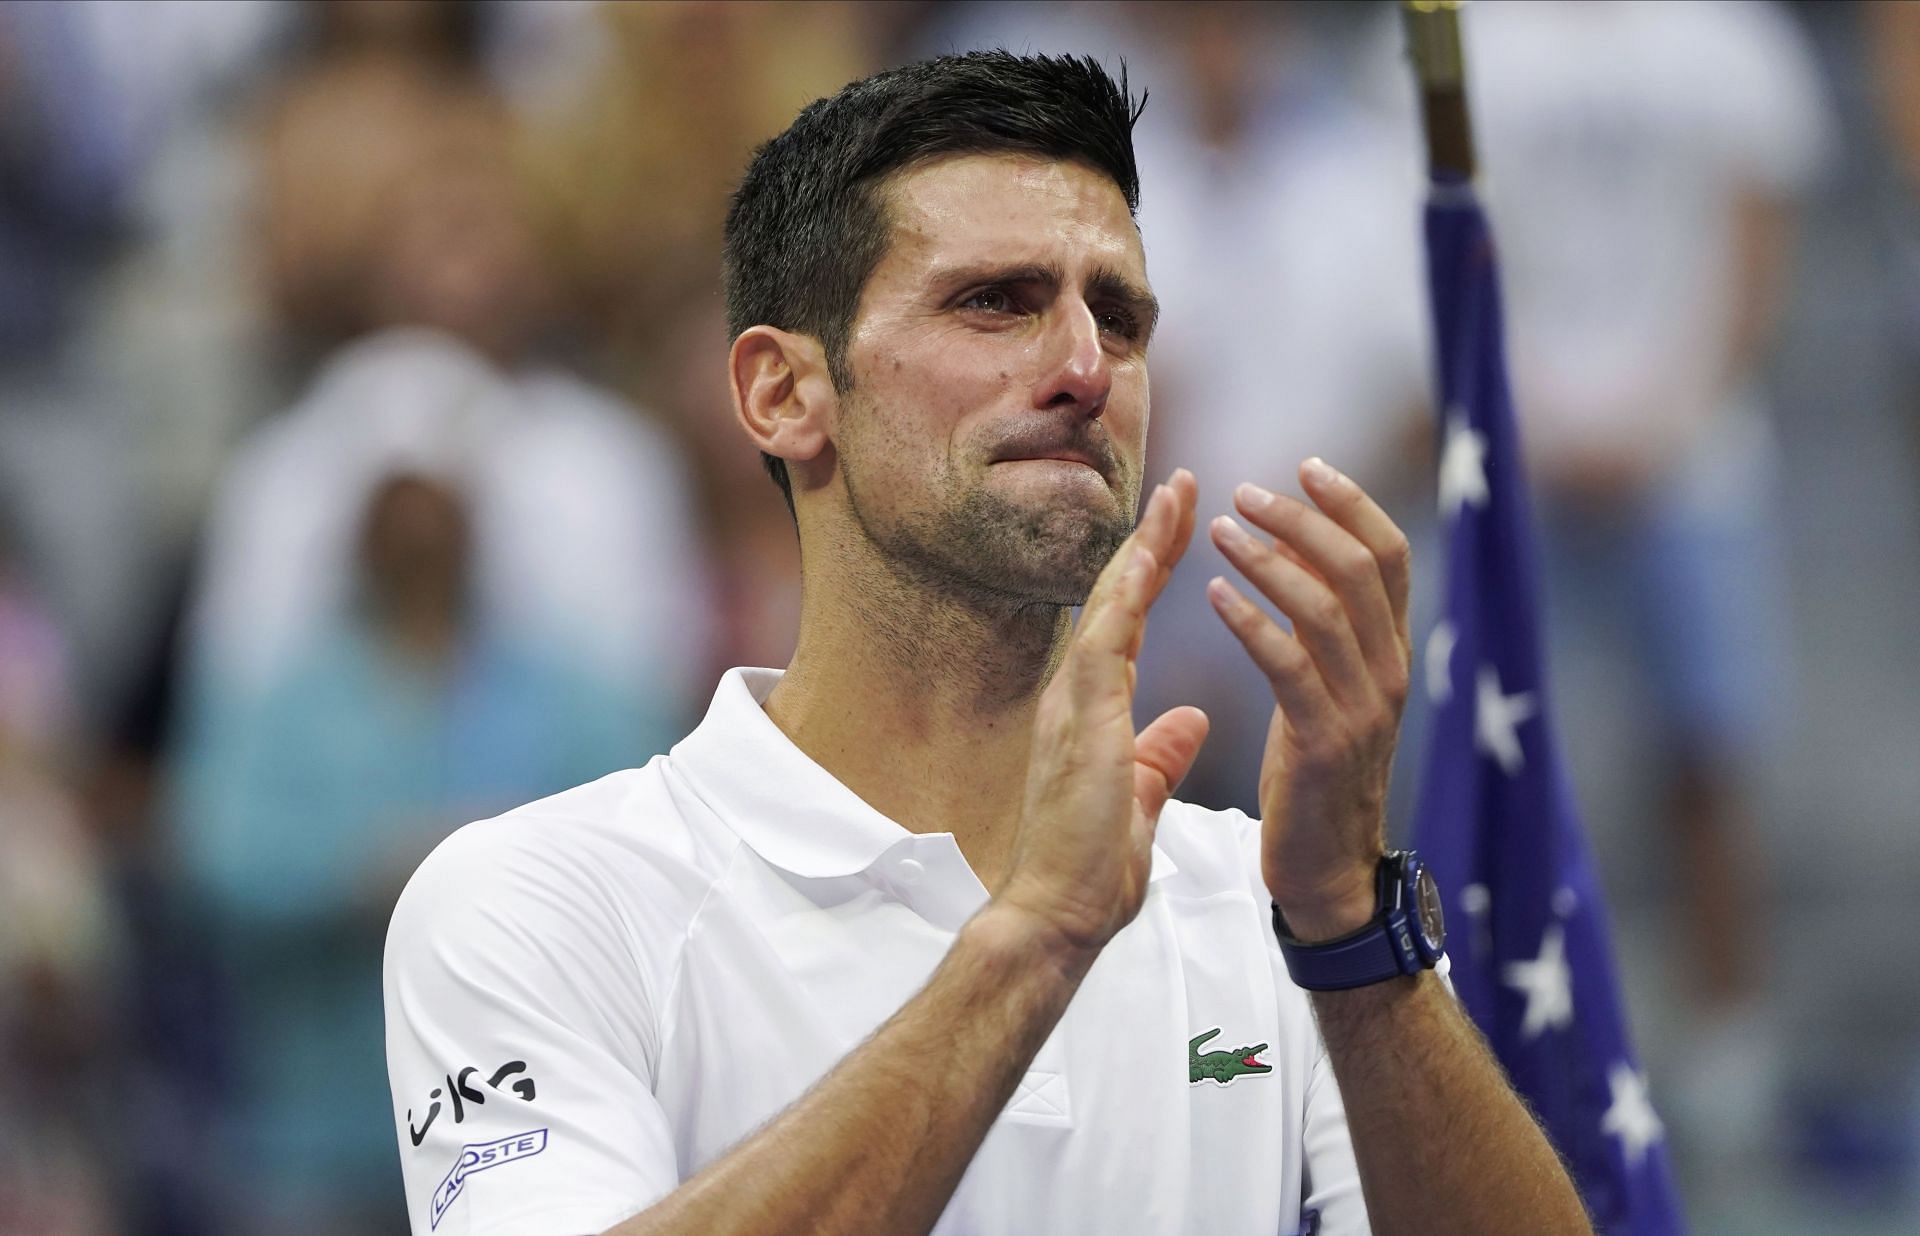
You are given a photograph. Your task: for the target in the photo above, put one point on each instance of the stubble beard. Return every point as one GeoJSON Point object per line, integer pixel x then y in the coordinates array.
{"type": "Point", "coordinates": [983, 549]}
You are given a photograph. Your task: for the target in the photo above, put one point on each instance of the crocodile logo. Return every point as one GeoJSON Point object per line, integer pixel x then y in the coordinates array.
{"type": "Point", "coordinates": [1222, 1066]}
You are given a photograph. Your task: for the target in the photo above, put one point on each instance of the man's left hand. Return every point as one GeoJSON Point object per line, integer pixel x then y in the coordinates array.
{"type": "Point", "coordinates": [1339, 570]}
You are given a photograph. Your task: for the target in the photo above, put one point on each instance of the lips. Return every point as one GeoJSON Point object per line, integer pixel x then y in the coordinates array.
{"type": "Point", "coordinates": [1047, 442]}
{"type": "Point", "coordinates": [1060, 456]}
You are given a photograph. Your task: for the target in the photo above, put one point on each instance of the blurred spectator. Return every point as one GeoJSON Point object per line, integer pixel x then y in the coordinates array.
{"type": "Point", "coordinates": [301, 818]}
{"type": "Point", "coordinates": [60, 948]}
{"type": "Point", "coordinates": [635, 165]}
{"type": "Point", "coordinates": [451, 578]}
{"type": "Point", "coordinates": [392, 200]}
{"type": "Point", "coordinates": [583, 538]}
{"type": "Point", "coordinates": [390, 97]}
{"type": "Point", "coordinates": [638, 164]}
{"type": "Point", "coordinates": [1643, 163]}
{"type": "Point", "coordinates": [1282, 238]}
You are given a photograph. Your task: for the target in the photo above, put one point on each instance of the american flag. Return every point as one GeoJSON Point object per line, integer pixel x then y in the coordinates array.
{"type": "Point", "coordinates": [1497, 822]}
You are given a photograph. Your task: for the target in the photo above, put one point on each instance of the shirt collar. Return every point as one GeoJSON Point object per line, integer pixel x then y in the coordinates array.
{"type": "Point", "coordinates": [783, 806]}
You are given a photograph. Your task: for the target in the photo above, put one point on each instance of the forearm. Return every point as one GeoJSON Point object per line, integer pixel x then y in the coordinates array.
{"type": "Point", "coordinates": [880, 1143]}
{"type": "Point", "coordinates": [1442, 1141]}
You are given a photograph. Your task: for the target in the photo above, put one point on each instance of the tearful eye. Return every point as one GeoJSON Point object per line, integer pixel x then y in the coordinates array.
{"type": "Point", "coordinates": [1119, 322]}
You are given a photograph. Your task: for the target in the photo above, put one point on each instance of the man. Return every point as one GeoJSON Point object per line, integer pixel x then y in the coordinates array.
{"type": "Point", "coordinates": [922, 907]}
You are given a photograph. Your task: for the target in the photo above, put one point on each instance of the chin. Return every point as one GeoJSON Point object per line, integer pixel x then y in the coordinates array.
{"type": "Point", "coordinates": [1053, 556]}
{"type": "Point", "coordinates": [998, 544]}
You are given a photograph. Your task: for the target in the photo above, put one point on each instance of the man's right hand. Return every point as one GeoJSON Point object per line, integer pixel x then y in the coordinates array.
{"type": "Point", "coordinates": [1084, 848]}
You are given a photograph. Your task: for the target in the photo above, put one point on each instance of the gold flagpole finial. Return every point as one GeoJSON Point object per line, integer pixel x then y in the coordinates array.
{"type": "Point", "coordinates": [1433, 44]}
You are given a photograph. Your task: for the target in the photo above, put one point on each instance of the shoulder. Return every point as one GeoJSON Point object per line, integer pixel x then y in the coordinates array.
{"type": "Point", "coordinates": [600, 882]}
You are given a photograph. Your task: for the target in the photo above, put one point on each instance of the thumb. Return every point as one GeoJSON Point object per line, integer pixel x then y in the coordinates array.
{"type": "Point", "coordinates": [1163, 753]}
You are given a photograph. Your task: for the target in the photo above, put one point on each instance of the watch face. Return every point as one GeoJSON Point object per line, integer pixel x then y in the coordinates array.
{"type": "Point", "coordinates": [1428, 912]}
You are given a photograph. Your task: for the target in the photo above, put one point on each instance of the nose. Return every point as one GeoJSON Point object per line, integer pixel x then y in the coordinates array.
{"type": "Point", "coordinates": [1078, 372]}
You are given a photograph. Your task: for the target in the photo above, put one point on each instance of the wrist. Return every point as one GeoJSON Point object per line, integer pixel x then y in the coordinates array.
{"type": "Point", "coordinates": [1009, 931]}
{"type": "Point", "coordinates": [1333, 909]}
{"type": "Point", "coordinates": [1405, 934]}
{"type": "Point", "coordinates": [1317, 924]}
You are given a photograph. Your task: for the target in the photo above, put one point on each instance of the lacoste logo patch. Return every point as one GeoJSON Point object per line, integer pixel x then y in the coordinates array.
{"type": "Point", "coordinates": [478, 1157]}
{"type": "Point", "coordinates": [1222, 1066]}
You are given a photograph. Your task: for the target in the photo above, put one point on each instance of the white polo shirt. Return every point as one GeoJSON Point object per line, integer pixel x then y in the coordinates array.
{"type": "Point", "coordinates": [593, 996]}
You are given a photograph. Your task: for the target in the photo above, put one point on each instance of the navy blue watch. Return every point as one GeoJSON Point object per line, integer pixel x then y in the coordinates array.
{"type": "Point", "coordinates": [1407, 934]}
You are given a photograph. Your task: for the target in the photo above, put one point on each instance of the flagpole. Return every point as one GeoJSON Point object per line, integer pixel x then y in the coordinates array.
{"type": "Point", "coordinates": [1433, 43]}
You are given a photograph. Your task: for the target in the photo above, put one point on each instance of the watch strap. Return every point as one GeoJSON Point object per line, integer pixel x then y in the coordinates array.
{"type": "Point", "coordinates": [1372, 954]}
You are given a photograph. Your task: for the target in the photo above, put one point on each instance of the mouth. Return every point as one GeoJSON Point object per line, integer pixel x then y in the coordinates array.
{"type": "Point", "coordinates": [1052, 446]}
{"type": "Point", "coordinates": [1069, 457]}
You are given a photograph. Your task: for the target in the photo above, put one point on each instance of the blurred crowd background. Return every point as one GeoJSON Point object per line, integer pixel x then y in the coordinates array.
{"type": "Point", "coordinates": [366, 467]}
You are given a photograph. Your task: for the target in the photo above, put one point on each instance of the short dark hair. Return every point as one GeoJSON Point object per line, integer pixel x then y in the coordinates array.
{"type": "Point", "coordinates": [808, 223]}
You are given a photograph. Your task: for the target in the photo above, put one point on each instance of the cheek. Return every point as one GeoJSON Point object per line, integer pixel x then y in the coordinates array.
{"type": "Point", "coordinates": [1129, 410]}
{"type": "Point", "coordinates": [901, 431]}
{"type": "Point", "coordinates": [929, 409]}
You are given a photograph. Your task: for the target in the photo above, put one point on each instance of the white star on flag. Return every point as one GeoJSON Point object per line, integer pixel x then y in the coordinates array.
{"type": "Point", "coordinates": [1463, 466]}
{"type": "Point", "coordinates": [1546, 983]}
{"type": "Point", "coordinates": [1631, 1118]}
{"type": "Point", "coordinates": [1440, 646]}
{"type": "Point", "coordinates": [1495, 717]}
{"type": "Point", "coordinates": [1476, 900]}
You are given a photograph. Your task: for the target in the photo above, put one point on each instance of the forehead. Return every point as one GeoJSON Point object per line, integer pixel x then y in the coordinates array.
{"type": "Point", "coordinates": [1015, 209]}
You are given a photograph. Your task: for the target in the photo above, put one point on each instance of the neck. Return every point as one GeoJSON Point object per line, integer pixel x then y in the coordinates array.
{"type": "Point", "coordinates": [922, 702]}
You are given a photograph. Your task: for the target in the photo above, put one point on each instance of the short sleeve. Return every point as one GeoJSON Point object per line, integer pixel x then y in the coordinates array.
{"type": "Point", "coordinates": [521, 1042]}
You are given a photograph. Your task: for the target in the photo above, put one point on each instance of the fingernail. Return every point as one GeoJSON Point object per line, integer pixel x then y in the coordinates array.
{"type": "Point", "coordinates": [1252, 496]}
{"type": "Point", "coordinates": [1322, 473]}
{"type": "Point", "coordinates": [1220, 590]}
{"type": "Point", "coordinates": [1228, 530]}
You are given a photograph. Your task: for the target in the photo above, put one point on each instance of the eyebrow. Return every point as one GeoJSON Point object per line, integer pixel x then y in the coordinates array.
{"type": "Point", "coordinates": [1105, 283]}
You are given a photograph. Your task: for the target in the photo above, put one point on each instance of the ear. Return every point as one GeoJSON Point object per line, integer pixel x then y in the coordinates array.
{"type": "Point", "coordinates": [782, 394]}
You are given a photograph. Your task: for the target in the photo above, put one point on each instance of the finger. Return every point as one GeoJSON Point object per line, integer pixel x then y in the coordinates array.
{"type": "Point", "coordinates": [1114, 619]}
{"type": "Point", "coordinates": [1294, 556]}
{"type": "Point", "coordinates": [1099, 658]}
{"type": "Point", "coordinates": [1186, 494]}
{"type": "Point", "coordinates": [1165, 527]}
{"type": "Point", "coordinates": [1320, 619]}
{"type": "Point", "coordinates": [1297, 685]}
{"type": "Point", "coordinates": [1342, 563]}
{"type": "Point", "coordinates": [1159, 520]}
{"type": "Point", "coordinates": [1355, 510]}
{"type": "Point", "coordinates": [1163, 754]}
{"type": "Point", "coordinates": [1116, 606]}
{"type": "Point", "coordinates": [1166, 524]}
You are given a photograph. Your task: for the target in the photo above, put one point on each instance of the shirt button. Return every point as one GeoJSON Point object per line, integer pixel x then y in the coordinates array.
{"type": "Point", "coordinates": [909, 871]}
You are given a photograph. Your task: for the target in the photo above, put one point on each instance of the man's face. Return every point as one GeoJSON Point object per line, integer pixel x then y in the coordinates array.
{"type": "Point", "coordinates": [992, 440]}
